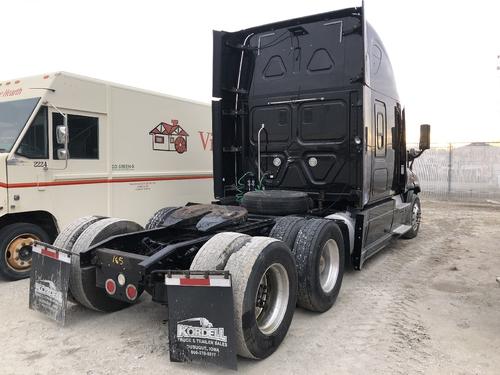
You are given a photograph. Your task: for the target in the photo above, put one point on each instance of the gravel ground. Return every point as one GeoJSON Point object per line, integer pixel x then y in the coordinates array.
{"type": "Point", "coordinates": [428, 305]}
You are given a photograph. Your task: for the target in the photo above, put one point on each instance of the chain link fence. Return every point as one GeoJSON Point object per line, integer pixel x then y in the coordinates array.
{"type": "Point", "coordinates": [460, 171]}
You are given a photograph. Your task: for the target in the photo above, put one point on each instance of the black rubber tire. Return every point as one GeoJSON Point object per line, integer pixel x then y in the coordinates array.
{"type": "Point", "coordinates": [84, 289]}
{"type": "Point", "coordinates": [159, 217]}
{"type": "Point", "coordinates": [276, 202]}
{"type": "Point", "coordinates": [215, 253]}
{"type": "Point", "coordinates": [9, 233]}
{"type": "Point", "coordinates": [66, 239]}
{"type": "Point", "coordinates": [307, 250]}
{"type": "Point", "coordinates": [413, 232]}
{"type": "Point", "coordinates": [287, 228]}
{"type": "Point", "coordinates": [247, 267]}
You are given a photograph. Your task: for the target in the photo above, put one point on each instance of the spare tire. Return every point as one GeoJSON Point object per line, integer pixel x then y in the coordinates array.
{"type": "Point", "coordinates": [159, 217]}
{"type": "Point", "coordinates": [276, 202]}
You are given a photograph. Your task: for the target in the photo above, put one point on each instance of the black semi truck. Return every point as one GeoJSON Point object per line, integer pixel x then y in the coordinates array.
{"type": "Point", "coordinates": [311, 175]}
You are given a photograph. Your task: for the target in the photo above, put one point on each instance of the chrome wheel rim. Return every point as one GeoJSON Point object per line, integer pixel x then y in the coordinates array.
{"type": "Point", "coordinates": [329, 264]}
{"type": "Point", "coordinates": [415, 216]}
{"type": "Point", "coordinates": [18, 252]}
{"type": "Point", "coordinates": [271, 299]}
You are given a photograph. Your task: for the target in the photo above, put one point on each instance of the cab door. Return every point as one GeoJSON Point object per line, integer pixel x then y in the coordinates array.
{"type": "Point", "coordinates": [78, 186]}
{"type": "Point", "coordinates": [26, 170]}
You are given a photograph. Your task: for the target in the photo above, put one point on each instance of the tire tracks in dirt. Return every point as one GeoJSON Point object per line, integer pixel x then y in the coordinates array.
{"type": "Point", "coordinates": [390, 288]}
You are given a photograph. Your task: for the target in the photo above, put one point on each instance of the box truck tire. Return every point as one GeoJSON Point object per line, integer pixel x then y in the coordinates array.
{"type": "Point", "coordinates": [287, 228]}
{"type": "Point", "coordinates": [82, 279]}
{"type": "Point", "coordinates": [319, 254]}
{"type": "Point", "coordinates": [15, 247]}
{"type": "Point", "coordinates": [264, 280]}
{"type": "Point", "coordinates": [215, 253]}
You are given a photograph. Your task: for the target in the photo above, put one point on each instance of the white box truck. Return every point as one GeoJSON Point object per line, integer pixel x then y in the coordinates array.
{"type": "Point", "coordinates": [72, 146]}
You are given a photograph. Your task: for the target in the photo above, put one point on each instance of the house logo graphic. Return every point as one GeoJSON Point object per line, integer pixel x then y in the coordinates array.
{"type": "Point", "coordinates": [169, 137]}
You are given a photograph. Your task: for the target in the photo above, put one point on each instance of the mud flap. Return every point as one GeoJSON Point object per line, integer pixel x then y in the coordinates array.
{"type": "Point", "coordinates": [201, 317]}
{"type": "Point", "coordinates": [49, 281]}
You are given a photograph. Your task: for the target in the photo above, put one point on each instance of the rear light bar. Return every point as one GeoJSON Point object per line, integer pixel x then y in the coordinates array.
{"type": "Point", "coordinates": [130, 291]}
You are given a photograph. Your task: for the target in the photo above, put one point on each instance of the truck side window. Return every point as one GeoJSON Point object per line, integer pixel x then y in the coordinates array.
{"type": "Point", "coordinates": [83, 136]}
{"type": "Point", "coordinates": [380, 130]}
{"type": "Point", "coordinates": [35, 143]}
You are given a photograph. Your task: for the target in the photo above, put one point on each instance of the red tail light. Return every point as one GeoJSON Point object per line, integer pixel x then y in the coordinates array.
{"type": "Point", "coordinates": [131, 292]}
{"type": "Point", "coordinates": [110, 286]}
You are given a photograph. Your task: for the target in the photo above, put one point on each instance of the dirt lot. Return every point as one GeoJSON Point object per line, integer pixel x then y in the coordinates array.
{"type": "Point", "coordinates": [429, 305]}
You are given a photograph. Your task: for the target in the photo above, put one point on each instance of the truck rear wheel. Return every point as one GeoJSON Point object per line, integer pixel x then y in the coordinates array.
{"type": "Point", "coordinates": [287, 228]}
{"type": "Point", "coordinates": [159, 217]}
{"type": "Point", "coordinates": [82, 282]}
{"type": "Point", "coordinates": [319, 253]}
{"type": "Point", "coordinates": [15, 247]}
{"type": "Point", "coordinates": [214, 254]}
{"type": "Point", "coordinates": [264, 281]}
{"type": "Point", "coordinates": [66, 239]}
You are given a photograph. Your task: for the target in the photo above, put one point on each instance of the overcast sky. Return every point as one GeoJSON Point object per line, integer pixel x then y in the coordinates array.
{"type": "Point", "coordinates": [444, 53]}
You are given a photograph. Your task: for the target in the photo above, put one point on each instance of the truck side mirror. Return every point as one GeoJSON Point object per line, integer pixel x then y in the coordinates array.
{"type": "Point", "coordinates": [62, 154]}
{"type": "Point", "coordinates": [62, 138]}
{"type": "Point", "coordinates": [425, 137]}
{"type": "Point", "coordinates": [62, 134]}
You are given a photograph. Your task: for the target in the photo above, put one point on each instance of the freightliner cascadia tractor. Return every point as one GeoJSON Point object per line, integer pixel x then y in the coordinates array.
{"type": "Point", "coordinates": [311, 175]}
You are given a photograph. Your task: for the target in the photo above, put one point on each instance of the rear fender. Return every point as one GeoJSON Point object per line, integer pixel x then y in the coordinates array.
{"type": "Point", "coordinates": [346, 219]}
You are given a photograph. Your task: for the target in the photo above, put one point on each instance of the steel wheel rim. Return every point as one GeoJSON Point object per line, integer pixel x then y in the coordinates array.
{"type": "Point", "coordinates": [17, 256]}
{"type": "Point", "coordinates": [271, 299]}
{"type": "Point", "coordinates": [415, 217]}
{"type": "Point", "coordinates": [329, 264]}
